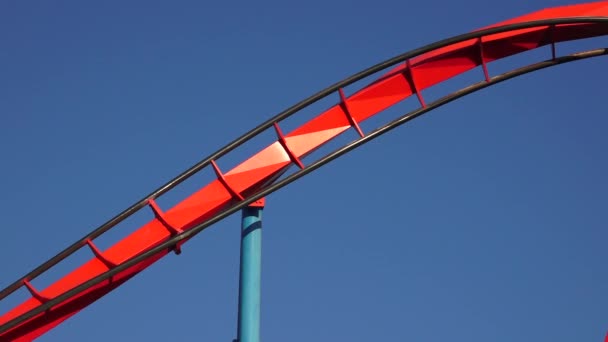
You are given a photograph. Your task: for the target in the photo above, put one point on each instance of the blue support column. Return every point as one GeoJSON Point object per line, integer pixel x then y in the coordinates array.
{"type": "Point", "coordinates": [250, 273]}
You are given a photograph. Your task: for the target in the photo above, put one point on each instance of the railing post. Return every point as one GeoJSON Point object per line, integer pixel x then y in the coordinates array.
{"type": "Point", "coordinates": [250, 273]}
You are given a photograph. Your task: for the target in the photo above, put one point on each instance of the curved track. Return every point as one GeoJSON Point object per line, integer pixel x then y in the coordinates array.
{"type": "Point", "coordinates": [260, 175]}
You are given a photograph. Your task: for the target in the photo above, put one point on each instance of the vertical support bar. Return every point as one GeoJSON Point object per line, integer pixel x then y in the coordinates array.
{"type": "Point", "coordinates": [250, 273]}
{"type": "Point", "coordinates": [552, 39]}
{"type": "Point", "coordinates": [482, 59]}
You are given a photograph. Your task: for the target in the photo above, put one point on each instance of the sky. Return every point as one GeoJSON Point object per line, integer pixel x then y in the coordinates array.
{"type": "Point", "coordinates": [484, 220]}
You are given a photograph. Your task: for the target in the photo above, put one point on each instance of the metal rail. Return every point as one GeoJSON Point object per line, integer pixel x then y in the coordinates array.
{"type": "Point", "coordinates": [277, 118]}
{"type": "Point", "coordinates": [179, 238]}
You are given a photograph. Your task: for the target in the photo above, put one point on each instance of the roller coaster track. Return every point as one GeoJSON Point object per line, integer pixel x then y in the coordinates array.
{"type": "Point", "coordinates": [403, 76]}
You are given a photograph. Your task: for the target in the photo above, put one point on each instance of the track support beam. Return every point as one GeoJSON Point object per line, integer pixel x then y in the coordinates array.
{"type": "Point", "coordinates": [250, 273]}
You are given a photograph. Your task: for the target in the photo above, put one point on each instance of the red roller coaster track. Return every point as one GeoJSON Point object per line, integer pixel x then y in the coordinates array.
{"type": "Point", "coordinates": [260, 175]}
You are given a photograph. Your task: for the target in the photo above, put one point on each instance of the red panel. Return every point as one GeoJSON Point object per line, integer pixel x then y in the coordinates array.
{"type": "Point", "coordinates": [435, 70]}
{"type": "Point", "coordinates": [321, 129]}
{"type": "Point", "coordinates": [379, 96]}
{"type": "Point", "coordinates": [292, 156]}
{"type": "Point", "coordinates": [235, 194]}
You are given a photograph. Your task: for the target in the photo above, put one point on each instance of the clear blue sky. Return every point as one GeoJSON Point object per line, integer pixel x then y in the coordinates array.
{"type": "Point", "coordinates": [482, 221]}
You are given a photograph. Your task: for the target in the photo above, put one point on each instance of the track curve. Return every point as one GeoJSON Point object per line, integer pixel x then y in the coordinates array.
{"type": "Point", "coordinates": [259, 176]}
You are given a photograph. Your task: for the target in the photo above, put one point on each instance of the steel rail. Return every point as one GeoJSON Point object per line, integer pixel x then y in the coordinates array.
{"type": "Point", "coordinates": [171, 242]}
{"type": "Point", "coordinates": [279, 117]}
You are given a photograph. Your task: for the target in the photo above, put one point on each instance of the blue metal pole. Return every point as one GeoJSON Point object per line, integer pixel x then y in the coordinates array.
{"type": "Point", "coordinates": [250, 273]}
